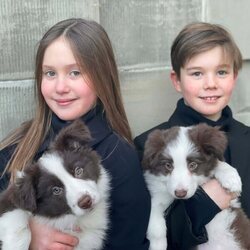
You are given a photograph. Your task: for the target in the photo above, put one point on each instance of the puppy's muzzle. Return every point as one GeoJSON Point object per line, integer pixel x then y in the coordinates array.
{"type": "Point", "coordinates": [85, 202]}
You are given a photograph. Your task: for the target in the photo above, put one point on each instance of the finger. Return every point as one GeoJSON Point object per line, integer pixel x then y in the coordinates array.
{"type": "Point", "coordinates": [60, 246]}
{"type": "Point", "coordinates": [66, 239]}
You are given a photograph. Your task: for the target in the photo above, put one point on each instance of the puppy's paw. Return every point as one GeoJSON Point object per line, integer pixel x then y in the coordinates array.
{"type": "Point", "coordinates": [228, 177]}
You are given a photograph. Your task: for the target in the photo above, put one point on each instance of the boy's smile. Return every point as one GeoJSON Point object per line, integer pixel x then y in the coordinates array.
{"type": "Point", "coordinates": [206, 82]}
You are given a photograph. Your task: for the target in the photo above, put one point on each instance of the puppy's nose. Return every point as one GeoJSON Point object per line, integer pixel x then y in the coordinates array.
{"type": "Point", "coordinates": [85, 202]}
{"type": "Point", "coordinates": [180, 193]}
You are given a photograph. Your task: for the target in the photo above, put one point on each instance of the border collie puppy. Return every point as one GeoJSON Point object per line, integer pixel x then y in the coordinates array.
{"type": "Point", "coordinates": [176, 161]}
{"type": "Point", "coordinates": [67, 189]}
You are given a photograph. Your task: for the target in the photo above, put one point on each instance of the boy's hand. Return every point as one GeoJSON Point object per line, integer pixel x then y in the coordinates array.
{"type": "Point", "coordinates": [218, 194]}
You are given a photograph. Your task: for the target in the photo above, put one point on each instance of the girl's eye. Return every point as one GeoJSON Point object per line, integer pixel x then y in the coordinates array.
{"type": "Point", "coordinates": [78, 172]}
{"type": "Point", "coordinates": [192, 165]}
{"type": "Point", "coordinates": [57, 190]}
{"type": "Point", "coordinates": [50, 73]}
{"type": "Point", "coordinates": [75, 73]}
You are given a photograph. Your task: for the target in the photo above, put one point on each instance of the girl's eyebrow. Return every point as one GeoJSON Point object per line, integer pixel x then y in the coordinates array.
{"type": "Point", "coordinates": [66, 66]}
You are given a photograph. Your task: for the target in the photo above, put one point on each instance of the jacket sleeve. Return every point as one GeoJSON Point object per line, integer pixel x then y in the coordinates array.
{"type": "Point", "coordinates": [5, 156]}
{"type": "Point", "coordinates": [130, 201]}
{"type": "Point", "coordinates": [186, 221]}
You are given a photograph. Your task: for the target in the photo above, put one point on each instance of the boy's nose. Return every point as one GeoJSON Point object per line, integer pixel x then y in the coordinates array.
{"type": "Point", "coordinates": [210, 82]}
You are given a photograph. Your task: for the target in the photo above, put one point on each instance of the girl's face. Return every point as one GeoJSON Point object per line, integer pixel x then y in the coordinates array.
{"type": "Point", "coordinates": [65, 88]}
{"type": "Point", "coordinates": [206, 82]}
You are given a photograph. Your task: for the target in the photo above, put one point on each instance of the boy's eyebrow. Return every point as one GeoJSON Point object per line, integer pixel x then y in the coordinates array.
{"type": "Point", "coordinates": [194, 68]}
{"type": "Point", "coordinates": [224, 65]}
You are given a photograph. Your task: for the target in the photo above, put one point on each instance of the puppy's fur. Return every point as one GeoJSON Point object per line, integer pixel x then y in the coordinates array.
{"type": "Point", "coordinates": [176, 161]}
{"type": "Point", "coordinates": [67, 189]}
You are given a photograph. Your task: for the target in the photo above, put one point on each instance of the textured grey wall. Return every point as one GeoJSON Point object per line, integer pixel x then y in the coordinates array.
{"type": "Point", "coordinates": [141, 32]}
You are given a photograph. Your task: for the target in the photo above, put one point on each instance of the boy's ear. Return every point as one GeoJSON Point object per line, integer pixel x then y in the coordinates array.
{"type": "Point", "coordinates": [175, 81]}
{"type": "Point", "coordinates": [235, 77]}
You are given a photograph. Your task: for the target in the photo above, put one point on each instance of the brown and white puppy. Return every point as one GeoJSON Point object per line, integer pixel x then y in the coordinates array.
{"type": "Point", "coordinates": [67, 189]}
{"type": "Point", "coordinates": [178, 160]}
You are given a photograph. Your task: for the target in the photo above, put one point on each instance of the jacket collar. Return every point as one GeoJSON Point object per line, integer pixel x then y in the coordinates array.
{"type": "Point", "coordinates": [186, 116]}
{"type": "Point", "coordinates": [95, 120]}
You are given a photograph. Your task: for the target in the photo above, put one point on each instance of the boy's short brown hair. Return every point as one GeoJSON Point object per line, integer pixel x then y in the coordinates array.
{"type": "Point", "coordinates": [199, 37]}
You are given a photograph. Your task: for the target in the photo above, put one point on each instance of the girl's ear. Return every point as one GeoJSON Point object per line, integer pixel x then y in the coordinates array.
{"type": "Point", "coordinates": [175, 81]}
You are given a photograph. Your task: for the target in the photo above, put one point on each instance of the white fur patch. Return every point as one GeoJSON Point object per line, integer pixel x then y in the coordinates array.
{"type": "Point", "coordinates": [14, 230]}
{"type": "Point", "coordinates": [220, 235]}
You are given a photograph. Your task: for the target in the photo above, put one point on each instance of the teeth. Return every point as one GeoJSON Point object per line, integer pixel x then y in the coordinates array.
{"type": "Point", "coordinates": [212, 98]}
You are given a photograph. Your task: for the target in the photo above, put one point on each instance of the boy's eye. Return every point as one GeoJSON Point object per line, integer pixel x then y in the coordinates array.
{"type": "Point", "coordinates": [222, 72]}
{"type": "Point", "coordinates": [196, 74]}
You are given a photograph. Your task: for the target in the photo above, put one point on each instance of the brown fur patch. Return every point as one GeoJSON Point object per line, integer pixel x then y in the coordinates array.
{"type": "Point", "coordinates": [209, 140]}
{"type": "Point", "coordinates": [157, 141]}
{"type": "Point", "coordinates": [72, 137]}
{"type": "Point", "coordinates": [241, 227]}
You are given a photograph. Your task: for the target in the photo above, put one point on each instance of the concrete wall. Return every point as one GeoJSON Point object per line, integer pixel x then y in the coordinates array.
{"type": "Point", "coordinates": [141, 32]}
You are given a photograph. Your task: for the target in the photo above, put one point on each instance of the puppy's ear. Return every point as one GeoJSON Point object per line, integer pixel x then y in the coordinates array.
{"type": "Point", "coordinates": [72, 137]}
{"type": "Point", "coordinates": [155, 144]}
{"type": "Point", "coordinates": [209, 139]}
{"type": "Point", "coordinates": [24, 194]}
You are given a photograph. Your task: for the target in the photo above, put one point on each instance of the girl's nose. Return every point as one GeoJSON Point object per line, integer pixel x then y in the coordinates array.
{"type": "Point", "coordinates": [61, 85]}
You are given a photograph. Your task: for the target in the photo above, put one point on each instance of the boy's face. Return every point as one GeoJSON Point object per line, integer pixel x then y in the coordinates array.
{"type": "Point", "coordinates": [206, 82]}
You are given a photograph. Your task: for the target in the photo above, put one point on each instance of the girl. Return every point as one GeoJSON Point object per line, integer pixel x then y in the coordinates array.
{"type": "Point", "coordinates": [77, 77]}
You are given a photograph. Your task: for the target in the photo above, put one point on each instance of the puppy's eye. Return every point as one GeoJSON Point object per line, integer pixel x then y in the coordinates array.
{"type": "Point", "coordinates": [166, 163]}
{"type": "Point", "coordinates": [169, 166]}
{"type": "Point", "coordinates": [78, 171]}
{"type": "Point", "coordinates": [57, 190]}
{"type": "Point", "coordinates": [192, 165]}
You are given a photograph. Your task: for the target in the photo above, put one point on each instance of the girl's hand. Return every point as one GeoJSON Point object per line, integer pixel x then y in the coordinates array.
{"type": "Point", "coordinates": [218, 194]}
{"type": "Point", "coordinates": [46, 238]}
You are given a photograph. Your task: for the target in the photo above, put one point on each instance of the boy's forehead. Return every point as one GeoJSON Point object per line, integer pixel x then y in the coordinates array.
{"type": "Point", "coordinates": [217, 56]}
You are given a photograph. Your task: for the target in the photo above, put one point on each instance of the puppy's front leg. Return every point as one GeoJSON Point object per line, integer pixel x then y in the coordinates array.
{"type": "Point", "coordinates": [228, 177]}
{"type": "Point", "coordinates": [157, 230]}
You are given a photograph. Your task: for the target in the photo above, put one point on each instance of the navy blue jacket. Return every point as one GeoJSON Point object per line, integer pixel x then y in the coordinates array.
{"type": "Point", "coordinates": [186, 220]}
{"type": "Point", "coordinates": [130, 200]}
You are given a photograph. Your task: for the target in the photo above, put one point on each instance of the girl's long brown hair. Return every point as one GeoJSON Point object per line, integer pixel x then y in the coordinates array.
{"type": "Point", "coordinates": [93, 51]}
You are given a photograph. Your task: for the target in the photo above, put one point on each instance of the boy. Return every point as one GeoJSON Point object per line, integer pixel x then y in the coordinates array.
{"type": "Point", "coordinates": [205, 61]}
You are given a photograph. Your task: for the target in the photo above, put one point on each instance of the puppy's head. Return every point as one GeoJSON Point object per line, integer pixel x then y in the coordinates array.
{"type": "Point", "coordinates": [65, 179]}
{"type": "Point", "coordinates": [184, 157]}
{"type": "Point", "coordinates": [72, 138]}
